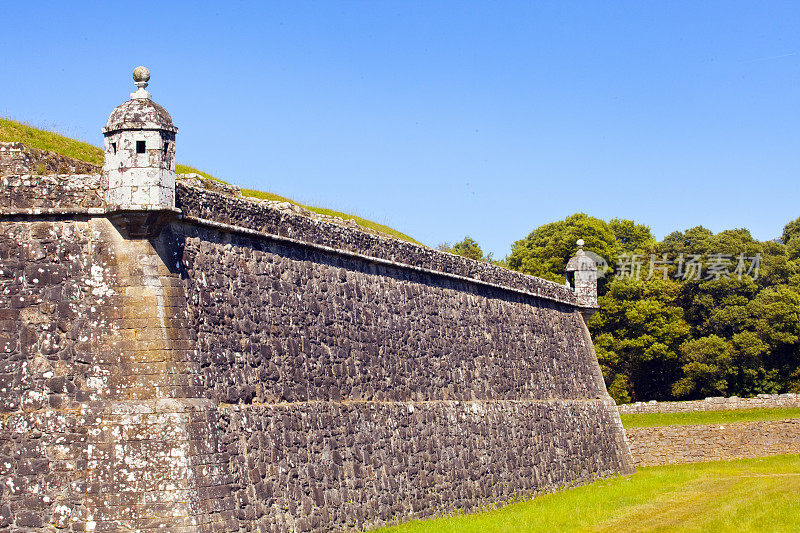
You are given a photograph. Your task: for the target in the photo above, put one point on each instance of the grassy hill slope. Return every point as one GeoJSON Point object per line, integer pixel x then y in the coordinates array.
{"type": "Point", "coordinates": [13, 131]}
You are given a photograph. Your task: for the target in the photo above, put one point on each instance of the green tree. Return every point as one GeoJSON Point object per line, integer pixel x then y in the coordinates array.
{"type": "Point", "coordinates": [720, 333]}
{"type": "Point", "coordinates": [778, 266]}
{"type": "Point", "coordinates": [790, 230]}
{"type": "Point", "coordinates": [633, 237]}
{"type": "Point", "coordinates": [638, 331]}
{"type": "Point", "coordinates": [750, 375]}
{"type": "Point", "coordinates": [716, 306]}
{"type": "Point", "coordinates": [775, 317]}
{"type": "Point", "coordinates": [706, 364]}
{"type": "Point", "coordinates": [467, 247]}
{"type": "Point", "coordinates": [693, 241]}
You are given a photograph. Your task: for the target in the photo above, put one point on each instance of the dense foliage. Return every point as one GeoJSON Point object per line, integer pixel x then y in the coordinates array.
{"type": "Point", "coordinates": [697, 314]}
{"type": "Point", "coordinates": [468, 247]}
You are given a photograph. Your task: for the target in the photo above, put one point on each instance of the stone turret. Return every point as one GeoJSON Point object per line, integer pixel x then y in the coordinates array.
{"type": "Point", "coordinates": [139, 169]}
{"type": "Point", "coordinates": [581, 276]}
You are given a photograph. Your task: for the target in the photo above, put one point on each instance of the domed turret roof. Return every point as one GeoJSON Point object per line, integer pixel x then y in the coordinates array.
{"type": "Point", "coordinates": [140, 112]}
{"type": "Point", "coordinates": [581, 261]}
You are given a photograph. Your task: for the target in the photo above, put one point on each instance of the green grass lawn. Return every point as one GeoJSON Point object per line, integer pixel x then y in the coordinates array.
{"type": "Point", "coordinates": [14, 131]}
{"type": "Point", "coordinates": [736, 496]}
{"type": "Point", "coordinates": [707, 417]}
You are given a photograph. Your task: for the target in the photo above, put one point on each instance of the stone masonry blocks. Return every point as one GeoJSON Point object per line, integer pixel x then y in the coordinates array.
{"type": "Point", "coordinates": [140, 180]}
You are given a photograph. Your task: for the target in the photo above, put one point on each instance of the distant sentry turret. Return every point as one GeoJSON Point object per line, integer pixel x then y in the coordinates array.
{"type": "Point", "coordinates": [581, 276]}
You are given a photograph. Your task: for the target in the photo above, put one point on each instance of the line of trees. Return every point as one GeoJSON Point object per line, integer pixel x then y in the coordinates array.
{"type": "Point", "coordinates": [697, 314]}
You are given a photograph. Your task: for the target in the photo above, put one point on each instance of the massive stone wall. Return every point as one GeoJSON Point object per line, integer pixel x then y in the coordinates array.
{"type": "Point", "coordinates": [253, 368]}
{"type": "Point", "coordinates": [369, 392]}
{"type": "Point", "coordinates": [236, 214]}
{"type": "Point", "coordinates": [280, 323]}
{"type": "Point", "coordinates": [662, 445]}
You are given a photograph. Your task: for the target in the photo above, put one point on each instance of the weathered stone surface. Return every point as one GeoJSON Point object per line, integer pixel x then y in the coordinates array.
{"type": "Point", "coordinates": [197, 181]}
{"type": "Point", "coordinates": [361, 464]}
{"type": "Point", "coordinates": [679, 444]}
{"type": "Point", "coordinates": [50, 191]}
{"type": "Point", "coordinates": [97, 372]}
{"type": "Point", "coordinates": [139, 114]}
{"type": "Point", "coordinates": [307, 325]}
{"type": "Point", "coordinates": [106, 466]}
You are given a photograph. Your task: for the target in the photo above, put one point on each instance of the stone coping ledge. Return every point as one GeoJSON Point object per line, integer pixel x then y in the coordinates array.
{"type": "Point", "coordinates": [124, 407]}
{"type": "Point", "coordinates": [377, 260]}
{"type": "Point", "coordinates": [566, 297]}
{"type": "Point", "coordinates": [135, 208]}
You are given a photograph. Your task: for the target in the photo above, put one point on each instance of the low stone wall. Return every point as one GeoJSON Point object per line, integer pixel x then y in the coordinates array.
{"type": "Point", "coordinates": [762, 401]}
{"type": "Point", "coordinates": [663, 445]}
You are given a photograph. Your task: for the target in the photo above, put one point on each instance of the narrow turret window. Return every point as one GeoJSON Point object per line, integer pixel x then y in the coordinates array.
{"type": "Point", "coordinates": [139, 147]}
{"type": "Point", "coordinates": [166, 148]}
{"type": "Point", "coordinates": [114, 148]}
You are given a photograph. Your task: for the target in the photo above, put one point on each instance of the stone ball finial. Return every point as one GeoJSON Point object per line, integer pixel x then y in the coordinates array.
{"type": "Point", "coordinates": [580, 243]}
{"type": "Point", "coordinates": [141, 75]}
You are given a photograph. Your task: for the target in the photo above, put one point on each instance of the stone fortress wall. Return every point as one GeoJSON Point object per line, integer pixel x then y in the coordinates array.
{"type": "Point", "coordinates": [252, 367]}
{"type": "Point", "coordinates": [390, 380]}
{"type": "Point", "coordinates": [715, 403]}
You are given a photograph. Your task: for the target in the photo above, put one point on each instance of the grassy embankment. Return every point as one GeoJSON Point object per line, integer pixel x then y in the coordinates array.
{"type": "Point", "coordinates": [726, 496]}
{"type": "Point", "coordinates": [13, 131]}
{"type": "Point", "coordinates": [641, 420]}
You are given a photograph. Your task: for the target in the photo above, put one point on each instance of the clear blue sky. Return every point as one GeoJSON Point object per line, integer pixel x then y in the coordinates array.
{"type": "Point", "coordinates": [447, 118]}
